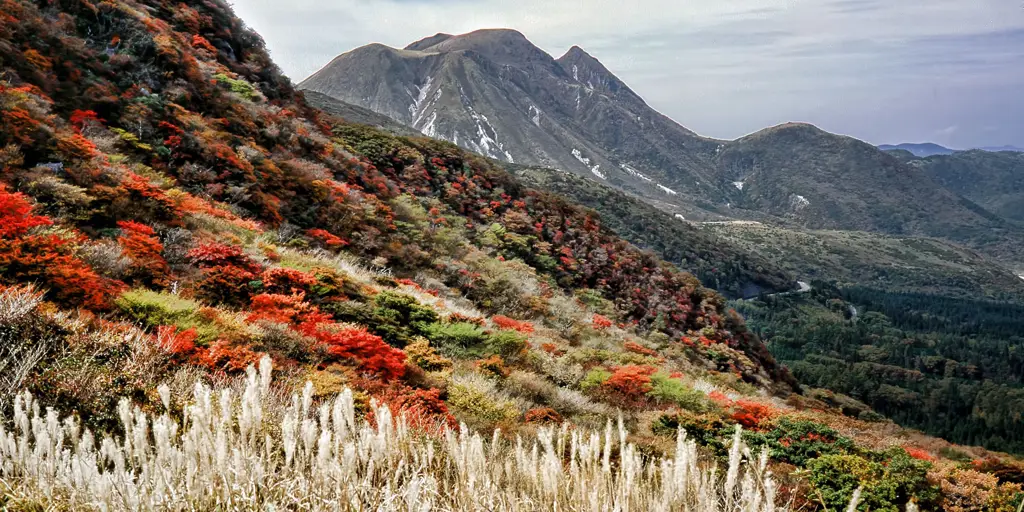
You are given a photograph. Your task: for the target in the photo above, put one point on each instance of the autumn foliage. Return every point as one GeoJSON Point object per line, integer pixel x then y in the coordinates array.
{"type": "Point", "coordinates": [505, 322]}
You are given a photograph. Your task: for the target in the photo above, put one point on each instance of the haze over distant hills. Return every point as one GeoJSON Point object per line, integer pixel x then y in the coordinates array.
{"type": "Point", "coordinates": [931, 149]}
{"type": "Point", "coordinates": [494, 92]}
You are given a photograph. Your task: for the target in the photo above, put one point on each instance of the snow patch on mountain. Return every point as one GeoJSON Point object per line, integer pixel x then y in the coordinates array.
{"type": "Point", "coordinates": [667, 190]}
{"type": "Point", "coordinates": [419, 99]}
{"type": "Point", "coordinates": [680, 216]}
{"type": "Point", "coordinates": [798, 202]}
{"type": "Point", "coordinates": [488, 144]}
{"type": "Point", "coordinates": [430, 129]}
{"type": "Point", "coordinates": [535, 115]}
{"type": "Point", "coordinates": [575, 73]}
{"type": "Point", "coordinates": [738, 185]}
{"type": "Point", "coordinates": [635, 173]}
{"type": "Point", "coordinates": [586, 161]}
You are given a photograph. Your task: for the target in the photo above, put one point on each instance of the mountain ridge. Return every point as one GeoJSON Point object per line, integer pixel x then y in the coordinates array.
{"type": "Point", "coordinates": [495, 93]}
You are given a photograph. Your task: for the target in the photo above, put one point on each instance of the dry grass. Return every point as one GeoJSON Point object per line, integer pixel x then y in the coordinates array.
{"type": "Point", "coordinates": [251, 449]}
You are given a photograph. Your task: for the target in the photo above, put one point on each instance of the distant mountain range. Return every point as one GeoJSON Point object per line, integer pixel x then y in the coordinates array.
{"type": "Point", "coordinates": [927, 149]}
{"type": "Point", "coordinates": [495, 93]}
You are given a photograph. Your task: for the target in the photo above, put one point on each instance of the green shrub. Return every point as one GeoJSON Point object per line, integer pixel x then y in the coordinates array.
{"type": "Point", "coordinates": [886, 484]}
{"type": "Point", "coordinates": [705, 429]}
{"type": "Point", "coordinates": [672, 391]}
{"type": "Point", "coordinates": [506, 343]}
{"type": "Point", "coordinates": [595, 378]}
{"type": "Point", "coordinates": [154, 308]}
{"type": "Point", "coordinates": [399, 318]}
{"type": "Point", "coordinates": [240, 87]}
{"type": "Point", "coordinates": [797, 442]}
{"type": "Point", "coordinates": [471, 399]}
{"type": "Point", "coordinates": [456, 340]}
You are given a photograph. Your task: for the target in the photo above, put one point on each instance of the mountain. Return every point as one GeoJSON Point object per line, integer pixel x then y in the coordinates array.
{"type": "Point", "coordinates": [494, 92]}
{"type": "Point", "coordinates": [718, 263]}
{"type": "Point", "coordinates": [356, 114]}
{"type": "Point", "coordinates": [809, 178]}
{"type": "Point", "coordinates": [995, 149]}
{"type": "Point", "coordinates": [993, 180]}
{"type": "Point", "coordinates": [922, 149]}
{"type": "Point", "coordinates": [174, 214]}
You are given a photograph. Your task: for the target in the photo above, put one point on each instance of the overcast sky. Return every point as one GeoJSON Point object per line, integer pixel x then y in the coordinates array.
{"type": "Point", "coordinates": [886, 71]}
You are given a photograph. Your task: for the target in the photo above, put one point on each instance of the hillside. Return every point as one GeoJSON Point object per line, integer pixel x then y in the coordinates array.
{"type": "Point", "coordinates": [716, 262]}
{"type": "Point", "coordinates": [356, 114]}
{"type": "Point", "coordinates": [495, 93]}
{"type": "Point", "coordinates": [174, 215]}
{"type": "Point", "coordinates": [993, 180]}
{"type": "Point", "coordinates": [893, 263]}
{"type": "Point", "coordinates": [919, 150]}
{"type": "Point", "coordinates": [814, 179]}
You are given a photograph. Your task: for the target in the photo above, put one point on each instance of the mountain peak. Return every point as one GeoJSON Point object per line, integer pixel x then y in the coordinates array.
{"type": "Point", "coordinates": [575, 54]}
{"type": "Point", "coordinates": [590, 73]}
{"type": "Point", "coordinates": [428, 42]}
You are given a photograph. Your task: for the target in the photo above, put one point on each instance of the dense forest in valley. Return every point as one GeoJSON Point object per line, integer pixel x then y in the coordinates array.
{"type": "Point", "coordinates": [952, 367]}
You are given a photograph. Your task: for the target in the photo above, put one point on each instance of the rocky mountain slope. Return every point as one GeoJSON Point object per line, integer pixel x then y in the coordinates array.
{"type": "Point", "coordinates": [814, 179]}
{"type": "Point", "coordinates": [495, 93]}
{"type": "Point", "coordinates": [993, 180]}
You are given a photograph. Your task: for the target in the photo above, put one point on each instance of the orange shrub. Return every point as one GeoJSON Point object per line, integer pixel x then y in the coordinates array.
{"type": "Point", "coordinates": [493, 365]}
{"type": "Point", "coordinates": [750, 414]}
{"type": "Point", "coordinates": [512, 324]}
{"type": "Point", "coordinates": [543, 415]}
{"type": "Point", "coordinates": [601, 322]}
{"type": "Point", "coordinates": [629, 382]}
{"type": "Point", "coordinates": [139, 242]}
{"type": "Point", "coordinates": [637, 348]}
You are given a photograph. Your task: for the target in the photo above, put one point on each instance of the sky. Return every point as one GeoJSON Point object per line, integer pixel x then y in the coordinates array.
{"type": "Point", "coordinates": [885, 71]}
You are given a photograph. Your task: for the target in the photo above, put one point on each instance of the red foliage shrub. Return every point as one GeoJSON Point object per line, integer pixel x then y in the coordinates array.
{"type": "Point", "coordinates": [286, 281]}
{"type": "Point", "coordinates": [512, 324]}
{"type": "Point", "coordinates": [601, 322]}
{"type": "Point", "coordinates": [719, 398]}
{"type": "Point", "coordinates": [225, 285]}
{"type": "Point", "coordinates": [372, 353]}
{"type": "Point", "coordinates": [326, 239]}
{"type": "Point", "coordinates": [339, 342]}
{"type": "Point", "coordinates": [200, 42]}
{"type": "Point", "coordinates": [48, 259]}
{"type": "Point", "coordinates": [215, 254]}
{"type": "Point", "coordinates": [637, 348]}
{"type": "Point", "coordinates": [228, 357]}
{"type": "Point", "coordinates": [139, 242]}
{"type": "Point", "coordinates": [920, 454]}
{"type": "Point", "coordinates": [422, 408]}
{"type": "Point", "coordinates": [543, 415]}
{"type": "Point", "coordinates": [629, 382]}
{"type": "Point", "coordinates": [286, 309]}
{"type": "Point", "coordinates": [80, 118]}
{"type": "Point", "coordinates": [177, 343]}
{"type": "Point", "coordinates": [750, 414]}
{"type": "Point", "coordinates": [16, 218]}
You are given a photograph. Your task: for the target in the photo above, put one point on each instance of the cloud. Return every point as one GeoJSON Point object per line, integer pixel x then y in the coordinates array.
{"type": "Point", "coordinates": [885, 71]}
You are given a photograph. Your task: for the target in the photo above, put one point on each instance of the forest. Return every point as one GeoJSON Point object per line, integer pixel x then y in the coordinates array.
{"type": "Point", "coordinates": [952, 367]}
